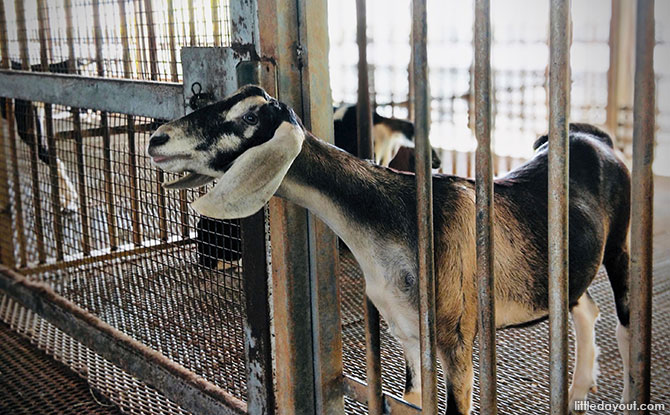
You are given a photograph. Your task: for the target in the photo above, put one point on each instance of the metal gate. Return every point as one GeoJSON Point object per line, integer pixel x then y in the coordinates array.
{"type": "Point", "coordinates": [91, 242]}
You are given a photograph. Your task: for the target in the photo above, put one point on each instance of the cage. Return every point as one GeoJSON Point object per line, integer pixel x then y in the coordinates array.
{"type": "Point", "coordinates": [163, 311]}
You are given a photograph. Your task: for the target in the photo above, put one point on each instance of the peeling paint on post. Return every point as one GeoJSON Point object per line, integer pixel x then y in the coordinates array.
{"type": "Point", "coordinates": [559, 105]}
{"type": "Point", "coordinates": [644, 128]}
{"type": "Point", "coordinates": [484, 201]}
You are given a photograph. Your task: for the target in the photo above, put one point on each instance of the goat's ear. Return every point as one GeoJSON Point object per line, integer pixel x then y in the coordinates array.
{"type": "Point", "coordinates": [254, 176]}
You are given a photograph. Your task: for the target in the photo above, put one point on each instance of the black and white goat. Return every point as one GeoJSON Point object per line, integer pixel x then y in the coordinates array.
{"type": "Point", "coordinates": [30, 126]}
{"type": "Point", "coordinates": [218, 242]}
{"type": "Point", "coordinates": [390, 136]}
{"type": "Point", "coordinates": [256, 147]}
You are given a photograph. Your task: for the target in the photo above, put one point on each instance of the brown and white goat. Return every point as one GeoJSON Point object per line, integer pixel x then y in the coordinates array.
{"type": "Point", "coordinates": [255, 147]}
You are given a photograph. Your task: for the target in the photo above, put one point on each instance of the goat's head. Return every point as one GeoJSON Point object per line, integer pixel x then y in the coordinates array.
{"type": "Point", "coordinates": [247, 142]}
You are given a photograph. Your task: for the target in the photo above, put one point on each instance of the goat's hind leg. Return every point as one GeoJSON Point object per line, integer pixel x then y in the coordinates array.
{"type": "Point", "coordinates": [584, 316]}
{"type": "Point", "coordinates": [616, 263]}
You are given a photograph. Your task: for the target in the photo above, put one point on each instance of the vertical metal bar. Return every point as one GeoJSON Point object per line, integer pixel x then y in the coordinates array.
{"type": "Point", "coordinates": [612, 120]}
{"type": "Point", "coordinates": [106, 140]}
{"type": "Point", "coordinates": [559, 99]}
{"type": "Point", "coordinates": [191, 22]}
{"type": "Point", "coordinates": [288, 228]}
{"type": "Point", "coordinates": [366, 151]}
{"type": "Point", "coordinates": [216, 22]}
{"type": "Point", "coordinates": [130, 121]}
{"type": "Point", "coordinates": [79, 141]}
{"type": "Point", "coordinates": [44, 30]}
{"type": "Point", "coordinates": [484, 201]}
{"type": "Point", "coordinates": [257, 342]}
{"type": "Point", "coordinates": [31, 134]}
{"type": "Point", "coordinates": [644, 128]}
{"type": "Point", "coordinates": [153, 65]}
{"type": "Point", "coordinates": [324, 261]}
{"type": "Point", "coordinates": [183, 200]}
{"type": "Point", "coordinates": [258, 347]}
{"type": "Point", "coordinates": [172, 39]}
{"type": "Point", "coordinates": [424, 209]}
{"type": "Point", "coordinates": [7, 243]}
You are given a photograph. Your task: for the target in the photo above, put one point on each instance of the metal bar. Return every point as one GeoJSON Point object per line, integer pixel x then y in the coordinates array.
{"type": "Point", "coordinates": [33, 140]}
{"type": "Point", "coordinates": [172, 39]}
{"type": "Point", "coordinates": [358, 390]}
{"type": "Point", "coordinates": [612, 120]}
{"type": "Point", "coordinates": [642, 228]}
{"type": "Point", "coordinates": [366, 151]}
{"type": "Point", "coordinates": [99, 255]}
{"type": "Point", "coordinates": [191, 22]}
{"type": "Point", "coordinates": [559, 99]}
{"type": "Point", "coordinates": [174, 76]}
{"type": "Point", "coordinates": [485, 211]}
{"type": "Point", "coordinates": [163, 100]}
{"type": "Point", "coordinates": [106, 139]}
{"type": "Point", "coordinates": [130, 129]}
{"type": "Point", "coordinates": [18, 201]}
{"type": "Point", "coordinates": [79, 142]}
{"type": "Point", "coordinates": [257, 340]}
{"type": "Point", "coordinates": [187, 390]}
{"type": "Point", "coordinates": [216, 22]}
{"type": "Point", "coordinates": [288, 224]}
{"type": "Point", "coordinates": [424, 210]}
{"type": "Point", "coordinates": [6, 244]}
{"type": "Point", "coordinates": [104, 254]}
{"type": "Point", "coordinates": [153, 68]}
{"type": "Point", "coordinates": [324, 261]}
{"type": "Point", "coordinates": [44, 29]}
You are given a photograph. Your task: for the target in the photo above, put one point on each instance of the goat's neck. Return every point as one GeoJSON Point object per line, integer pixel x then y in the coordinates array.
{"type": "Point", "coordinates": [342, 190]}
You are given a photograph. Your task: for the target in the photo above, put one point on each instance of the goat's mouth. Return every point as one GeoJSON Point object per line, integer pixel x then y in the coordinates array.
{"type": "Point", "coordinates": [158, 159]}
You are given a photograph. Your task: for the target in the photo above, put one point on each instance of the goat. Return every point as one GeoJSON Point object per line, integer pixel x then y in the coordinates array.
{"type": "Point", "coordinates": [219, 240]}
{"type": "Point", "coordinates": [256, 147]}
{"type": "Point", "coordinates": [389, 135]}
{"type": "Point", "coordinates": [30, 126]}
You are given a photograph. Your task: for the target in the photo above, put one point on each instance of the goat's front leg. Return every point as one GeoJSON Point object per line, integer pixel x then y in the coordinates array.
{"type": "Point", "coordinates": [457, 365]}
{"type": "Point", "coordinates": [412, 372]}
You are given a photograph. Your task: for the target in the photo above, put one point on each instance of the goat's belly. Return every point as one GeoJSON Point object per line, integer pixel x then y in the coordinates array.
{"type": "Point", "coordinates": [510, 313]}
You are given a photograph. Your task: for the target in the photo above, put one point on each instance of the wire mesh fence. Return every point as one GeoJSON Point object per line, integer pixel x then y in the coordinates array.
{"type": "Point", "coordinates": [89, 216]}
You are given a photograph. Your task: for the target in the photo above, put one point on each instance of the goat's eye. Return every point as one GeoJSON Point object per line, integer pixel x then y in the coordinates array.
{"type": "Point", "coordinates": [250, 118]}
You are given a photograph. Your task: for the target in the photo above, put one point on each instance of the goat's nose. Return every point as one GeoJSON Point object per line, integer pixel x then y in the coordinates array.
{"type": "Point", "coordinates": [158, 139]}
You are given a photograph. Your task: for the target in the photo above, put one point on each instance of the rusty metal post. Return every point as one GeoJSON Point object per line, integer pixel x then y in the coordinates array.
{"type": "Point", "coordinates": [317, 103]}
{"type": "Point", "coordinates": [34, 146]}
{"type": "Point", "coordinates": [288, 223]}
{"type": "Point", "coordinates": [79, 147]}
{"type": "Point", "coordinates": [612, 108]}
{"type": "Point", "coordinates": [309, 373]}
{"type": "Point", "coordinates": [484, 201]}
{"type": "Point", "coordinates": [257, 341]}
{"type": "Point", "coordinates": [106, 139]}
{"type": "Point", "coordinates": [43, 22]}
{"type": "Point", "coordinates": [174, 76]}
{"type": "Point", "coordinates": [7, 244]}
{"type": "Point", "coordinates": [424, 208]}
{"type": "Point", "coordinates": [130, 121]}
{"type": "Point", "coordinates": [191, 23]}
{"type": "Point", "coordinates": [216, 22]}
{"type": "Point", "coordinates": [644, 128]}
{"type": "Point", "coordinates": [559, 99]}
{"type": "Point", "coordinates": [153, 73]}
{"type": "Point", "coordinates": [366, 151]}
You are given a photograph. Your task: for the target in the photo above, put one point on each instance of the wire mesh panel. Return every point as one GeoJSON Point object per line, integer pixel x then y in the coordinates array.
{"type": "Point", "coordinates": [143, 272]}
